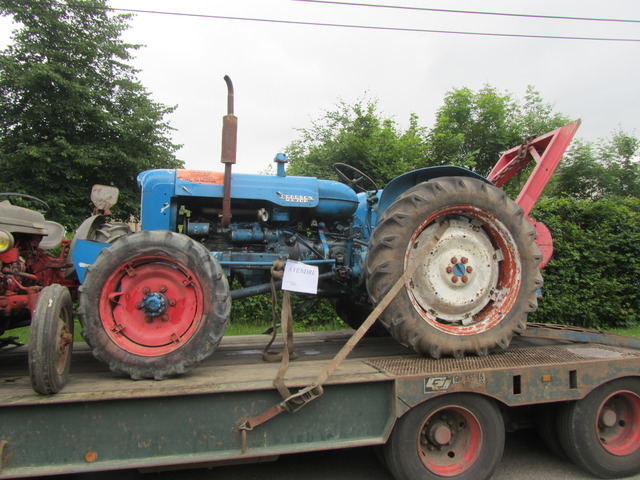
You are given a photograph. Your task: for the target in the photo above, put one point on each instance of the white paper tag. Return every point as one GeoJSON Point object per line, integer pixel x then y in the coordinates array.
{"type": "Point", "coordinates": [300, 277]}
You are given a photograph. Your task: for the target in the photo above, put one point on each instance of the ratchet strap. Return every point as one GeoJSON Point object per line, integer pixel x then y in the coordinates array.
{"type": "Point", "coordinates": [294, 402]}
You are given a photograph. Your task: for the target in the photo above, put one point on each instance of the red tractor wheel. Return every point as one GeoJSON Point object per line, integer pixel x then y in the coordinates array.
{"type": "Point", "coordinates": [154, 305]}
{"type": "Point", "coordinates": [479, 282]}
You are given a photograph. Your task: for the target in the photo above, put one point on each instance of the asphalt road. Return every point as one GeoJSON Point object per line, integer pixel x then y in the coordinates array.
{"type": "Point", "coordinates": [525, 458]}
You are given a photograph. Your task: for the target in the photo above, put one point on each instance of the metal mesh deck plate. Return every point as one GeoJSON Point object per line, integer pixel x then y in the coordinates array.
{"type": "Point", "coordinates": [513, 358]}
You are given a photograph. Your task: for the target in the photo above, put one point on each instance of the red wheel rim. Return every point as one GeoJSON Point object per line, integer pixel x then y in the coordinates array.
{"type": "Point", "coordinates": [482, 303]}
{"type": "Point", "coordinates": [450, 441]}
{"type": "Point", "coordinates": [151, 305]}
{"type": "Point", "coordinates": [618, 426]}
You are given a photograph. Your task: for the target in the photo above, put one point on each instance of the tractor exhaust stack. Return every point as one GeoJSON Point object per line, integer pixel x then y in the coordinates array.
{"type": "Point", "coordinates": [229, 148]}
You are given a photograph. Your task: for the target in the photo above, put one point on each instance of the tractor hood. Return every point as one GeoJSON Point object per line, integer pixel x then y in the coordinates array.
{"type": "Point", "coordinates": [21, 220]}
{"type": "Point", "coordinates": [163, 189]}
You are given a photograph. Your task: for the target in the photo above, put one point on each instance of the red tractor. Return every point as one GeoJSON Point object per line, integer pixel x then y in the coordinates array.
{"type": "Point", "coordinates": [37, 286]}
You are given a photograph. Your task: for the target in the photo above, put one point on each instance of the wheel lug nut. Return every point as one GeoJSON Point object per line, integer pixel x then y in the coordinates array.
{"type": "Point", "coordinates": [464, 279]}
{"type": "Point", "coordinates": [172, 302]}
{"type": "Point", "coordinates": [449, 269]}
{"type": "Point", "coordinates": [454, 260]}
{"type": "Point", "coordinates": [464, 259]}
{"type": "Point", "coordinates": [454, 279]}
{"type": "Point", "coordinates": [148, 319]}
{"type": "Point", "coordinates": [469, 269]}
{"type": "Point", "coordinates": [163, 289]}
{"type": "Point", "coordinates": [146, 290]}
{"type": "Point", "coordinates": [164, 318]}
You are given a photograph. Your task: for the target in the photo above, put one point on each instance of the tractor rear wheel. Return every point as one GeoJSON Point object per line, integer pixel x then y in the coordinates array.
{"type": "Point", "coordinates": [479, 282]}
{"type": "Point", "coordinates": [154, 305]}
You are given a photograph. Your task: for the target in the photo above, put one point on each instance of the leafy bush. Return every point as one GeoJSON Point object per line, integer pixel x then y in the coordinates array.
{"type": "Point", "coordinates": [593, 278]}
{"type": "Point", "coordinates": [309, 313]}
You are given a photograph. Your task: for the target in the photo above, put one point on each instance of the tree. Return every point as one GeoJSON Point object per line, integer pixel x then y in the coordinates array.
{"type": "Point", "coordinates": [472, 129]}
{"type": "Point", "coordinates": [72, 112]}
{"type": "Point", "coordinates": [610, 167]}
{"type": "Point", "coordinates": [359, 136]}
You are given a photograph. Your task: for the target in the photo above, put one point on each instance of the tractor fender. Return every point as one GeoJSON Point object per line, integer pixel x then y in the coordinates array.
{"type": "Point", "coordinates": [404, 182]}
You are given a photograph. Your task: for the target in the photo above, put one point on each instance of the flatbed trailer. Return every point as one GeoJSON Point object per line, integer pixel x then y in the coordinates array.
{"type": "Point", "coordinates": [435, 418]}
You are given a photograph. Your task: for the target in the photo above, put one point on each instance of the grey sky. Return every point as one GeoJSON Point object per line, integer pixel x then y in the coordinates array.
{"type": "Point", "coordinates": [286, 75]}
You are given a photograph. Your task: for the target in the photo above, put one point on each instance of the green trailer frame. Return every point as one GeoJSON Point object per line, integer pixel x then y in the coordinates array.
{"type": "Point", "coordinates": [103, 422]}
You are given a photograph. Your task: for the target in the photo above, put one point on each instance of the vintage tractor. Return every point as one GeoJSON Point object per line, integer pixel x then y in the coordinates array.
{"type": "Point", "coordinates": [34, 290]}
{"type": "Point", "coordinates": [157, 302]}
{"type": "Point", "coordinates": [37, 286]}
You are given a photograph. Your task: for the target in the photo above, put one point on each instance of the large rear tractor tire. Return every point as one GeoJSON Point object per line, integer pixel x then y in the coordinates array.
{"type": "Point", "coordinates": [458, 436]}
{"type": "Point", "coordinates": [51, 340]}
{"type": "Point", "coordinates": [479, 282]}
{"type": "Point", "coordinates": [354, 314]}
{"type": "Point", "coordinates": [154, 305]}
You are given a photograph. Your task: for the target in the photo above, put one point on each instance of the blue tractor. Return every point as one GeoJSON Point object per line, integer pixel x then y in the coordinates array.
{"type": "Point", "coordinates": [157, 302]}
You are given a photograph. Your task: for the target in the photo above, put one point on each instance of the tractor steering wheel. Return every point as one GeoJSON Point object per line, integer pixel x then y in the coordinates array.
{"type": "Point", "coordinates": [28, 197]}
{"type": "Point", "coordinates": [342, 169]}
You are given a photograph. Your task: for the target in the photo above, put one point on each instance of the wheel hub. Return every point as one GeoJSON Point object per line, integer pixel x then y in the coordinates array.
{"type": "Point", "coordinates": [154, 304]}
{"type": "Point", "coordinates": [450, 441]}
{"type": "Point", "coordinates": [618, 429]}
{"type": "Point", "coordinates": [460, 276]}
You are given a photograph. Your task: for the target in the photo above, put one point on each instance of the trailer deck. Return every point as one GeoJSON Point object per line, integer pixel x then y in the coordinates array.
{"type": "Point", "coordinates": [103, 422]}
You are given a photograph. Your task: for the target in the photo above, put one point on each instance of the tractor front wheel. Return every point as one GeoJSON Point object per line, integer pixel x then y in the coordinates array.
{"type": "Point", "coordinates": [154, 305]}
{"type": "Point", "coordinates": [51, 340]}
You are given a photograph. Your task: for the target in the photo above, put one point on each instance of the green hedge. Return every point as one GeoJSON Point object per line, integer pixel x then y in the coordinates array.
{"type": "Point", "coordinates": [593, 278]}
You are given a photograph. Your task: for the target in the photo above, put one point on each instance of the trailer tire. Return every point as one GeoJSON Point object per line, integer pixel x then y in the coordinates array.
{"type": "Point", "coordinates": [475, 290]}
{"type": "Point", "coordinates": [601, 432]}
{"type": "Point", "coordinates": [458, 436]}
{"type": "Point", "coordinates": [154, 305]}
{"type": "Point", "coordinates": [51, 340]}
{"type": "Point", "coordinates": [546, 425]}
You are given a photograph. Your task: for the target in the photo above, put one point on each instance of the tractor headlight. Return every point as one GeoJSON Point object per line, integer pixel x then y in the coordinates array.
{"type": "Point", "coordinates": [6, 241]}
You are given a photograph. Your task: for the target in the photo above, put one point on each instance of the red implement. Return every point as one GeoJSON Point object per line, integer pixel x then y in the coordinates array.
{"type": "Point", "coordinates": [547, 151]}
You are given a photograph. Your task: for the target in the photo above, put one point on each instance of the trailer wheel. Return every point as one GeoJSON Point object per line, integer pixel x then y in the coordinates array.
{"type": "Point", "coordinates": [458, 436]}
{"type": "Point", "coordinates": [480, 282]}
{"type": "Point", "coordinates": [154, 305]}
{"type": "Point", "coordinates": [546, 425]}
{"type": "Point", "coordinates": [51, 340]}
{"type": "Point", "coordinates": [601, 432]}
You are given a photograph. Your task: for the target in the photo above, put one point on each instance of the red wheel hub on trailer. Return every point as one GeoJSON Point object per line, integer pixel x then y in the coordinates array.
{"type": "Point", "coordinates": [619, 423]}
{"type": "Point", "coordinates": [450, 441]}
